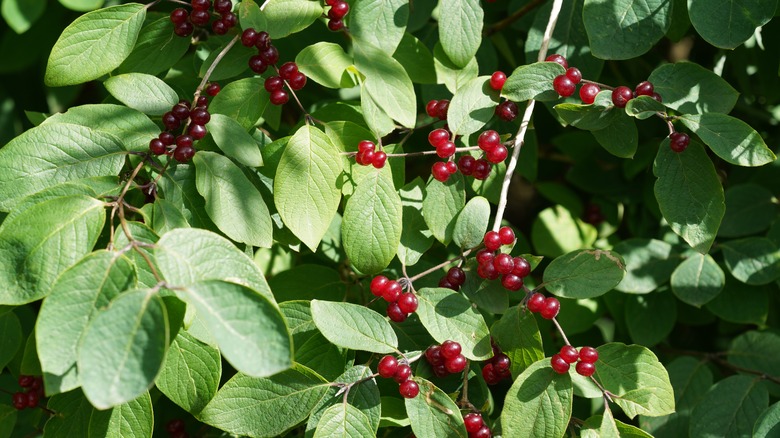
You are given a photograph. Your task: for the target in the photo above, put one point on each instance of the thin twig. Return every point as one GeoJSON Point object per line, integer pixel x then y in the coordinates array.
{"type": "Point", "coordinates": [518, 14]}
{"type": "Point", "coordinates": [439, 266]}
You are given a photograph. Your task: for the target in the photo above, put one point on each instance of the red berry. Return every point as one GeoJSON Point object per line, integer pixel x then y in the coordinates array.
{"type": "Point", "coordinates": [183, 154]}
{"type": "Point", "coordinates": [522, 267]}
{"type": "Point", "coordinates": [379, 159]}
{"type": "Point", "coordinates": [489, 374]}
{"type": "Point", "coordinates": [501, 363]}
{"type": "Point", "coordinates": [644, 89]}
{"type": "Point", "coordinates": [230, 19]}
{"type": "Point", "coordinates": [269, 55]}
{"type": "Point", "coordinates": [451, 167]}
{"type": "Point", "coordinates": [26, 381]}
{"type": "Point", "coordinates": [257, 65]}
{"type": "Point", "coordinates": [220, 27]}
{"type": "Point", "coordinates": [395, 313]}
{"type": "Point", "coordinates": [197, 132]}
{"type": "Point", "coordinates": [588, 93]}
{"type": "Point", "coordinates": [551, 308]}
{"type": "Point", "coordinates": [559, 59]}
{"type": "Point", "coordinates": [213, 89]}
{"type": "Point", "coordinates": [167, 138]}
{"type": "Point", "coordinates": [492, 240]}
{"type": "Point", "coordinates": [409, 389]}
{"type": "Point", "coordinates": [483, 432]}
{"type": "Point", "coordinates": [157, 147]}
{"type": "Point", "coordinates": [201, 4]}
{"type": "Point", "coordinates": [433, 355]}
{"type": "Point", "coordinates": [19, 400]}
{"type": "Point", "coordinates": [569, 354]}
{"type": "Point", "coordinates": [378, 284]}
{"type": "Point", "coordinates": [585, 369]}
{"type": "Point", "coordinates": [440, 172]}
{"type": "Point", "coordinates": [485, 256]}
{"type": "Point", "coordinates": [481, 169]}
{"type": "Point", "coordinates": [338, 10]}
{"type": "Point", "coordinates": [497, 154]}
{"type": "Point", "coordinates": [279, 97]}
{"type": "Point", "coordinates": [535, 302]}
{"type": "Point", "coordinates": [442, 108]}
{"type": "Point", "coordinates": [512, 282]}
{"type": "Point", "coordinates": [175, 425]}
{"type": "Point", "coordinates": [273, 83]}
{"type": "Point", "coordinates": [497, 80]}
{"type": "Point", "coordinates": [563, 85]}
{"type": "Point", "coordinates": [32, 399]}
{"type": "Point", "coordinates": [507, 110]}
{"type": "Point", "coordinates": [249, 37]}
{"type": "Point", "coordinates": [335, 25]}
{"type": "Point", "coordinates": [574, 74]}
{"type": "Point", "coordinates": [589, 355]}
{"type": "Point", "coordinates": [438, 137]}
{"type": "Point", "coordinates": [223, 6]}
{"type": "Point", "coordinates": [402, 373]}
{"type": "Point", "coordinates": [488, 271]}
{"type": "Point", "coordinates": [679, 141]}
{"type": "Point", "coordinates": [170, 121]}
{"type": "Point", "coordinates": [456, 365]}
{"type": "Point", "coordinates": [503, 263]}
{"type": "Point", "coordinates": [456, 276]}
{"type": "Point", "coordinates": [184, 29]}
{"type": "Point", "coordinates": [387, 366]}
{"type": "Point", "coordinates": [466, 164]}
{"type": "Point", "coordinates": [621, 95]}
{"type": "Point", "coordinates": [183, 141]}
{"type": "Point", "coordinates": [488, 140]}
{"type": "Point", "coordinates": [200, 116]}
{"type": "Point", "coordinates": [392, 291]}
{"type": "Point", "coordinates": [297, 81]}
{"type": "Point", "coordinates": [559, 365]}
{"type": "Point", "coordinates": [430, 108]}
{"type": "Point", "coordinates": [473, 422]}
{"type": "Point", "coordinates": [287, 70]}
{"type": "Point", "coordinates": [450, 349]}
{"type": "Point", "coordinates": [408, 302]}
{"type": "Point", "coordinates": [506, 235]}
{"type": "Point", "coordinates": [199, 17]}
{"type": "Point", "coordinates": [446, 149]}
{"type": "Point", "coordinates": [179, 16]}
{"type": "Point", "coordinates": [366, 145]}
{"type": "Point", "coordinates": [263, 40]}
{"type": "Point", "coordinates": [657, 97]}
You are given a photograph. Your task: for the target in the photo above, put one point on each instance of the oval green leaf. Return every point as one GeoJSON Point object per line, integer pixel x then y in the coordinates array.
{"type": "Point", "coordinates": [441, 204]}
{"type": "Point", "coordinates": [472, 106]}
{"type": "Point", "coordinates": [754, 260]}
{"type": "Point", "coordinates": [730, 408]}
{"type": "Point", "coordinates": [379, 22]}
{"type": "Point", "coordinates": [732, 22]}
{"type": "Point", "coordinates": [355, 327]}
{"type": "Point", "coordinates": [143, 92]}
{"type": "Point", "coordinates": [649, 264]}
{"type": "Point", "coordinates": [326, 64]}
{"type": "Point", "coordinates": [730, 138]}
{"type": "Point", "coordinates": [472, 223]}
{"type": "Point", "coordinates": [519, 337]}
{"type": "Point", "coordinates": [532, 81]}
{"type": "Point", "coordinates": [697, 280]}
{"type": "Point", "coordinates": [624, 29]}
{"type": "Point", "coordinates": [585, 273]}
{"type": "Point", "coordinates": [191, 372]}
{"type": "Point", "coordinates": [455, 16]}
{"type": "Point", "coordinates": [433, 413]}
{"type": "Point", "coordinates": [692, 89]}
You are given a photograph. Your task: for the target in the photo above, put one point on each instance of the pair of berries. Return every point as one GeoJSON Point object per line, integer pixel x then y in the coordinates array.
{"type": "Point", "coordinates": [547, 307]}
{"type": "Point", "coordinates": [368, 155]}
{"type": "Point", "coordinates": [401, 372]}
{"type": "Point", "coordinates": [288, 74]}
{"type": "Point", "coordinates": [475, 426]}
{"type": "Point", "coordinates": [446, 358]}
{"type": "Point", "coordinates": [496, 368]}
{"type": "Point", "coordinates": [441, 170]}
{"type": "Point", "coordinates": [445, 148]}
{"type": "Point", "coordinates": [400, 304]}
{"type": "Point", "coordinates": [454, 279]}
{"type": "Point", "coordinates": [586, 359]}
{"type": "Point", "coordinates": [490, 142]}
{"type": "Point", "coordinates": [176, 429]}
{"type": "Point", "coordinates": [338, 9]}
{"type": "Point", "coordinates": [181, 146]}
{"type": "Point", "coordinates": [622, 94]}
{"type": "Point", "coordinates": [566, 83]}
{"type": "Point", "coordinates": [184, 22]}
{"type": "Point", "coordinates": [479, 168]}
{"type": "Point", "coordinates": [267, 54]}
{"type": "Point", "coordinates": [438, 108]}
{"type": "Point", "coordinates": [31, 398]}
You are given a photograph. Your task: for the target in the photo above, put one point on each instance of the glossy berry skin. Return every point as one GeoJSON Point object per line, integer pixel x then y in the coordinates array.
{"type": "Point", "coordinates": [535, 302]}
{"type": "Point", "coordinates": [569, 354]}
{"type": "Point", "coordinates": [589, 355]}
{"type": "Point", "coordinates": [230, 19]}
{"type": "Point", "coordinates": [167, 138]}
{"type": "Point", "coordinates": [483, 432]}
{"type": "Point", "coordinates": [456, 365]}
{"type": "Point", "coordinates": [249, 37]}
{"type": "Point", "coordinates": [335, 25]}
{"type": "Point", "coordinates": [440, 172]}
{"type": "Point", "coordinates": [503, 263]}
{"type": "Point", "coordinates": [501, 363]}
{"type": "Point", "coordinates": [551, 308]}
{"type": "Point", "coordinates": [408, 303]}
{"type": "Point", "coordinates": [485, 256]}
{"type": "Point", "coordinates": [19, 400]}
{"type": "Point", "coordinates": [507, 110]}
{"type": "Point", "coordinates": [395, 313]}
{"type": "Point", "coordinates": [644, 89]}
{"type": "Point", "coordinates": [269, 55]}
{"type": "Point", "coordinates": [497, 80]}
{"type": "Point", "coordinates": [559, 59]}
{"type": "Point", "coordinates": [450, 349]}
{"type": "Point", "coordinates": [366, 145]}
{"type": "Point", "coordinates": [263, 40]}
{"type": "Point", "coordinates": [378, 284]}
{"type": "Point", "coordinates": [170, 121]}
{"type": "Point", "coordinates": [679, 141]}
{"type": "Point", "coordinates": [379, 160]}
{"type": "Point", "coordinates": [433, 355]}
{"type": "Point", "coordinates": [392, 291]}
{"type": "Point", "coordinates": [183, 141]}
{"type": "Point", "coordinates": [621, 95]}
{"type": "Point", "coordinates": [563, 86]}
{"type": "Point", "coordinates": [456, 276]}
{"type": "Point", "coordinates": [197, 132]}
{"type": "Point", "coordinates": [287, 70]}
{"type": "Point", "coordinates": [487, 271]}
{"type": "Point", "coordinates": [497, 154]}
{"type": "Point", "coordinates": [387, 367]}
{"type": "Point", "coordinates": [442, 108]}
{"type": "Point", "coordinates": [492, 240]}
{"type": "Point", "coordinates": [473, 422]}
{"type": "Point", "coordinates": [574, 74]}
{"type": "Point", "coordinates": [257, 65]}
{"type": "Point", "coordinates": [512, 282]}
{"type": "Point", "coordinates": [438, 137]}
{"type": "Point", "coordinates": [451, 167]}
{"type": "Point", "coordinates": [202, 102]}
{"type": "Point", "coordinates": [488, 140]}
{"type": "Point", "coordinates": [445, 150]}
{"type": "Point", "coordinates": [201, 4]}
{"type": "Point", "coordinates": [585, 369]}
{"type": "Point", "coordinates": [222, 6]}
{"type": "Point", "coordinates": [179, 16]}
{"type": "Point", "coordinates": [521, 267]}
{"type": "Point", "coordinates": [273, 83]}
{"type": "Point", "coordinates": [403, 373]}
{"type": "Point", "coordinates": [588, 93]}
{"type": "Point", "coordinates": [200, 17]}
{"type": "Point", "coordinates": [157, 147]}
{"type": "Point", "coordinates": [200, 116]}
{"type": "Point", "coordinates": [279, 97]}
{"type": "Point", "coordinates": [430, 108]}
{"type": "Point", "coordinates": [559, 365]}
{"type": "Point", "coordinates": [481, 169]}
{"type": "Point", "coordinates": [338, 10]}
{"type": "Point", "coordinates": [26, 381]}
{"type": "Point", "coordinates": [183, 154]}
{"type": "Point", "coordinates": [657, 97]}
{"type": "Point", "coordinates": [184, 29]}
{"type": "Point", "coordinates": [297, 81]}
{"type": "Point", "coordinates": [180, 111]}
{"type": "Point", "coordinates": [213, 89]}
{"type": "Point", "coordinates": [409, 389]}
{"type": "Point", "coordinates": [489, 374]}
{"type": "Point", "coordinates": [466, 164]}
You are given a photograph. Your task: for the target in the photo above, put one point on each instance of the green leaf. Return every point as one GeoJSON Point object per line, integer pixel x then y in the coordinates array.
{"type": "Point", "coordinates": [585, 273]}
{"type": "Point", "coordinates": [596, 116]}
{"type": "Point", "coordinates": [8, 416]}
{"type": "Point", "coordinates": [307, 282]}
{"type": "Point", "coordinates": [82, 5]}
{"type": "Point", "coordinates": [454, 17]}
{"type": "Point", "coordinates": [519, 337]}
{"type": "Point", "coordinates": [620, 138]}
{"type": "Point", "coordinates": [417, 59]}
{"type": "Point", "coordinates": [556, 232]}
{"type": "Point", "coordinates": [450, 74]}
{"type": "Point", "coordinates": [74, 413]}
{"type": "Point", "coordinates": [96, 187]}
{"type": "Point", "coordinates": [625, 29]}
{"type": "Point", "coordinates": [343, 420]}
{"type": "Point", "coordinates": [190, 374]}
{"type": "Point", "coordinates": [650, 318]}
{"type": "Point", "coordinates": [644, 107]}
{"type": "Point", "coordinates": [52, 154]}
{"type": "Point", "coordinates": [740, 303]}
{"type": "Point", "coordinates": [754, 260]}
{"type": "Point", "coordinates": [532, 81]}
{"type": "Point", "coordinates": [375, 117]}
{"type": "Point", "coordinates": [601, 426]}
{"type": "Point", "coordinates": [750, 208]}
{"type": "Point", "coordinates": [472, 107]}
{"type": "Point", "coordinates": [94, 44]}
{"type": "Point", "coordinates": [156, 50]}
{"type": "Point", "coordinates": [387, 83]}
{"type": "Point", "coordinates": [232, 201]}
{"type": "Point", "coordinates": [754, 350]}
{"type": "Point", "coordinates": [416, 239]}
{"type": "Point", "coordinates": [649, 264]}
{"type": "Point", "coordinates": [243, 100]}
{"type": "Point", "coordinates": [732, 22]}
{"type": "Point", "coordinates": [689, 194]}
{"type": "Point", "coordinates": [248, 327]}
{"type": "Point", "coordinates": [448, 315]}
{"type": "Point", "coordinates": [286, 17]}
{"type": "Point", "coordinates": [179, 188]}
{"type": "Point", "coordinates": [265, 406]}
{"type": "Point", "coordinates": [371, 228]}
{"type": "Point", "coordinates": [326, 64]}
{"type": "Point", "coordinates": [164, 216]}
{"type": "Point", "coordinates": [234, 141]}
{"type": "Point", "coordinates": [472, 223]}
{"type": "Point", "coordinates": [697, 280]}
{"type": "Point", "coordinates": [381, 23]}
{"type": "Point", "coordinates": [12, 337]}
{"type": "Point", "coordinates": [68, 227]}
{"type": "Point", "coordinates": [315, 352]}
{"type": "Point", "coordinates": [22, 14]}
{"type": "Point", "coordinates": [634, 374]}
{"type": "Point", "coordinates": [433, 413]}
{"type": "Point", "coordinates": [305, 189]}
{"type": "Point", "coordinates": [146, 93]}
{"type": "Point", "coordinates": [692, 89]}
{"type": "Point", "coordinates": [75, 298]}
{"type": "Point", "coordinates": [134, 418]}
{"type": "Point", "coordinates": [539, 402]}
{"type": "Point", "coordinates": [730, 408]}
{"type": "Point", "coordinates": [441, 204]}
{"type": "Point", "coordinates": [355, 327]}
{"type": "Point", "coordinates": [232, 64]}
{"type": "Point", "coordinates": [364, 397]}
{"type": "Point", "coordinates": [768, 424]}
{"type": "Point", "coordinates": [122, 348]}
{"type": "Point", "coordinates": [186, 256]}
{"type": "Point", "coordinates": [730, 138]}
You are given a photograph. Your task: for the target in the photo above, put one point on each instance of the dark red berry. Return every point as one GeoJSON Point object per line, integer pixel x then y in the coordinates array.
{"type": "Point", "coordinates": [183, 154]}
{"type": "Point", "coordinates": [387, 366]}
{"type": "Point", "coordinates": [200, 116]}
{"type": "Point", "coordinates": [19, 400]}
{"type": "Point", "coordinates": [32, 399]}
{"type": "Point", "coordinates": [379, 160]}
{"type": "Point", "coordinates": [202, 102]}
{"type": "Point", "coordinates": [249, 37]}
{"type": "Point", "coordinates": [438, 137]}
{"type": "Point", "coordinates": [488, 140]}
{"type": "Point", "coordinates": [338, 10]}
{"type": "Point", "coordinates": [497, 154]}
{"type": "Point", "coordinates": [273, 83]}
{"type": "Point", "coordinates": [439, 171]}
{"type": "Point", "coordinates": [392, 291]}
{"type": "Point", "coordinates": [219, 27]}
{"type": "Point", "coordinates": [679, 141]}
{"type": "Point", "coordinates": [26, 381]}
{"type": "Point", "coordinates": [263, 40]}
{"type": "Point", "coordinates": [279, 97]}
{"type": "Point", "coordinates": [589, 354]}
{"type": "Point", "coordinates": [644, 89]}
{"type": "Point", "coordinates": [559, 365]}
{"type": "Point", "coordinates": [170, 121]}
{"type": "Point", "coordinates": [409, 389]}
{"type": "Point", "coordinates": [365, 158]}
{"type": "Point", "coordinates": [507, 110]}
{"type": "Point", "coordinates": [451, 167]}
{"type": "Point", "coordinates": [213, 89]}
{"type": "Point", "coordinates": [257, 64]}
{"type": "Point", "coordinates": [269, 55]}
{"type": "Point", "coordinates": [488, 271]}
{"type": "Point", "coordinates": [588, 93]}
{"type": "Point", "coordinates": [501, 363]}
{"type": "Point", "coordinates": [442, 108]}
{"type": "Point", "coordinates": [483, 432]}
{"type": "Point", "coordinates": [559, 59]}
{"type": "Point", "coordinates": [197, 132]}
{"type": "Point", "coordinates": [297, 81]}
{"type": "Point", "coordinates": [564, 86]}
{"type": "Point", "coordinates": [229, 19]}
{"type": "Point", "coordinates": [585, 369]}
{"type": "Point", "coordinates": [551, 308]}
{"type": "Point", "coordinates": [503, 263]}
{"type": "Point", "coordinates": [402, 373]}
{"type": "Point", "coordinates": [492, 240]}
{"type": "Point", "coordinates": [657, 97]}
{"type": "Point", "coordinates": [485, 256]}
{"type": "Point", "coordinates": [180, 111]}
{"type": "Point", "coordinates": [408, 302]}
{"type": "Point", "coordinates": [489, 374]}
{"type": "Point", "coordinates": [466, 164]}
{"type": "Point", "coordinates": [183, 141]}
{"type": "Point", "coordinates": [512, 282]}
{"type": "Point", "coordinates": [507, 235]}
{"type": "Point", "coordinates": [201, 4]}
{"type": "Point", "coordinates": [395, 313]}
{"type": "Point", "coordinates": [157, 147]}
{"type": "Point", "coordinates": [179, 16]}
{"type": "Point", "coordinates": [430, 108]}
{"type": "Point", "coordinates": [456, 365]}
{"type": "Point", "coordinates": [497, 80]}
{"type": "Point", "coordinates": [535, 302]}
{"type": "Point", "coordinates": [522, 267]}
{"type": "Point", "coordinates": [450, 349]}
{"type": "Point", "coordinates": [378, 284]}
{"type": "Point", "coordinates": [175, 425]}
{"type": "Point", "coordinates": [335, 25]}
{"type": "Point", "coordinates": [184, 29]}
{"type": "Point", "coordinates": [446, 284]}
{"type": "Point", "coordinates": [481, 169]}
{"type": "Point", "coordinates": [456, 276]}
{"type": "Point", "coordinates": [473, 422]}
{"type": "Point", "coordinates": [569, 354]}
{"type": "Point", "coordinates": [621, 95]}
{"type": "Point", "coordinates": [287, 70]}
{"type": "Point", "coordinates": [574, 74]}
{"type": "Point", "coordinates": [446, 149]}
{"type": "Point", "coordinates": [222, 6]}
{"type": "Point", "coordinates": [433, 355]}
{"type": "Point", "coordinates": [199, 17]}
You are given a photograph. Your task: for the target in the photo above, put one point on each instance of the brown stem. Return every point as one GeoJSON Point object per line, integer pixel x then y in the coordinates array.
{"type": "Point", "coordinates": [439, 266]}
{"type": "Point", "coordinates": [518, 14]}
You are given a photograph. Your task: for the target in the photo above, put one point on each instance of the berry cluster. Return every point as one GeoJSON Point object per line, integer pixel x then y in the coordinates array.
{"type": "Point", "coordinates": [497, 368]}
{"type": "Point", "coordinates": [548, 307]}
{"type": "Point", "coordinates": [288, 74]}
{"type": "Point", "coordinates": [368, 155]}
{"type": "Point", "coordinates": [438, 108]}
{"type": "Point", "coordinates": [175, 429]}
{"type": "Point", "coordinates": [401, 372]}
{"type": "Point", "coordinates": [446, 358]}
{"type": "Point", "coordinates": [476, 426]}
{"type": "Point", "coordinates": [400, 304]}
{"type": "Point", "coordinates": [454, 279]}
{"type": "Point", "coordinates": [490, 265]}
{"type": "Point", "coordinates": [22, 400]}
{"type": "Point", "coordinates": [445, 148]}
{"type": "Point", "coordinates": [586, 359]}
{"type": "Point", "coordinates": [622, 94]}
{"type": "Point", "coordinates": [268, 55]}
{"type": "Point", "coordinates": [184, 22]}
{"type": "Point", "coordinates": [194, 119]}
{"type": "Point", "coordinates": [338, 9]}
